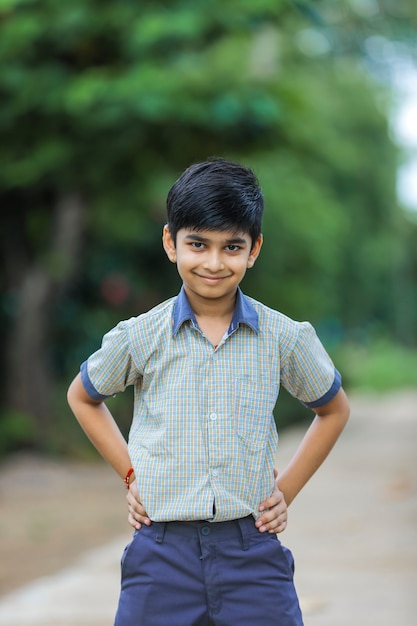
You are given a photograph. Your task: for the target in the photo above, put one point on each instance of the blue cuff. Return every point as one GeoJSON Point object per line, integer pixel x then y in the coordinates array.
{"type": "Point", "coordinates": [329, 395]}
{"type": "Point", "coordinates": [88, 385]}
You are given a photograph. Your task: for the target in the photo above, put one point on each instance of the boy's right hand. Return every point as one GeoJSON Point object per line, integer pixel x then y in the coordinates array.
{"type": "Point", "coordinates": [137, 514]}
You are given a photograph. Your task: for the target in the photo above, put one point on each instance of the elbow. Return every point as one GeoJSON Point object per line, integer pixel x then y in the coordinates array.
{"type": "Point", "coordinates": [338, 408]}
{"type": "Point", "coordinates": [71, 395]}
{"type": "Point", "coordinates": [344, 408]}
{"type": "Point", "coordinates": [76, 393]}
{"type": "Point", "coordinates": [345, 416]}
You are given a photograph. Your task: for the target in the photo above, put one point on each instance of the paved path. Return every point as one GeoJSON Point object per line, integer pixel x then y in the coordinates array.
{"type": "Point", "coordinates": [353, 533]}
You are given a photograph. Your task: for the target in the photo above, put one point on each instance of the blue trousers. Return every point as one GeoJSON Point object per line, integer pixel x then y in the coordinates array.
{"type": "Point", "coordinates": [207, 574]}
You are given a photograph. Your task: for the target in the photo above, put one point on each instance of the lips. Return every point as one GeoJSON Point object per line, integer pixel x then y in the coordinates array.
{"type": "Point", "coordinates": [212, 279]}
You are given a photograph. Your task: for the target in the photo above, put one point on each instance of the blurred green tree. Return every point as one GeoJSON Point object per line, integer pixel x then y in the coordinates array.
{"type": "Point", "coordinates": [101, 103]}
{"type": "Point", "coordinates": [105, 102]}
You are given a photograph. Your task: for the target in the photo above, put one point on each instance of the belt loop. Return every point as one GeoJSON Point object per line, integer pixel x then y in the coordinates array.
{"type": "Point", "coordinates": [243, 534]}
{"type": "Point", "coordinates": [160, 531]}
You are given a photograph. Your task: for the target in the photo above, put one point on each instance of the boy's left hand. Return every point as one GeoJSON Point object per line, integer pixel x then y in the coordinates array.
{"type": "Point", "coordinates": [274, 520]}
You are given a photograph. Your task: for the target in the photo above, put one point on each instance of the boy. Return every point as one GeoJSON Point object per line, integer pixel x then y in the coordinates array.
{"type": "Point", "coordinates": [206, 368]}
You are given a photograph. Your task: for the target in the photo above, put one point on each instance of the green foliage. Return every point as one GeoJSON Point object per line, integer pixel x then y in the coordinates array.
{"type": "Point", "coordinates": [110, 100]}
{"type": "Point", "coordinates": [16, 431]}
{"type": "Point", "coordinates": [378, 365]}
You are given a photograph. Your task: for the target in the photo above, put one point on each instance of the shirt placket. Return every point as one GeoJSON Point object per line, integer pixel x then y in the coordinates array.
{"type": "Point", "coordinates": [214, 417]}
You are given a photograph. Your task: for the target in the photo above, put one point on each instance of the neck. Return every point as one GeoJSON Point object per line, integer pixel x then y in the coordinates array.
{"type": "Point", "coordinates": [218, 308]}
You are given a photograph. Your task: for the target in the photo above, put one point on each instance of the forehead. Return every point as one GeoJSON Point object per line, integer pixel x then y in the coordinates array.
{"type": "Point", "coordinates": [214, 236]}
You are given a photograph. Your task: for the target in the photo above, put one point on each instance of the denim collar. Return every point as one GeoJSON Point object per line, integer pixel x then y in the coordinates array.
{"type": "Point", "coordinates": [244, 313]}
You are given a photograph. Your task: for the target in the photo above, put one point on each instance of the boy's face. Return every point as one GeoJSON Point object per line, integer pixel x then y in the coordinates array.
{"type": "Point", "coordinates": [211, 263]}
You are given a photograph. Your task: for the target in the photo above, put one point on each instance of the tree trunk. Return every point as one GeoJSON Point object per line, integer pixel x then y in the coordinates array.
{"type": "Point", "coordinates": [30, 373]}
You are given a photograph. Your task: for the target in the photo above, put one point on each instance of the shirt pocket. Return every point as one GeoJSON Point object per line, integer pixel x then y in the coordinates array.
{"type": "Point", "coordinates": [252, 411]}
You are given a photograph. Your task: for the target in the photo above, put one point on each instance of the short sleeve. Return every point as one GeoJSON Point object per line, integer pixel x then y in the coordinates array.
{"type": "Point", "coordinates": [111, 369]}
{"type": "Point", "coordinates": [307, 371]}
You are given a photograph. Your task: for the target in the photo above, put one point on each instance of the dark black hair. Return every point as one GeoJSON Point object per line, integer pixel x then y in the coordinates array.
{"type": "Point", "coordinates": [216, 195]}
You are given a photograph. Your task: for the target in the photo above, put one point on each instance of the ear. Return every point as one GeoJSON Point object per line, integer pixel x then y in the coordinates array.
{"type": "Point", "coordinates": [169, 244]}
{"type": "Point", "coordinates": [254, 253]}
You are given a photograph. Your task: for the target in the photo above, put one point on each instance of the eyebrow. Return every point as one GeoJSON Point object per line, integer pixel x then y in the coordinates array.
{"type": "Point", "coordinates": [234, 240]}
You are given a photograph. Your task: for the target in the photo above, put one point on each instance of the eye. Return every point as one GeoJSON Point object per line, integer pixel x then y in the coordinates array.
{"type": "Point", "coordinates": [232, 248]}
{"type": "Point", "coordinates": [197, 244]}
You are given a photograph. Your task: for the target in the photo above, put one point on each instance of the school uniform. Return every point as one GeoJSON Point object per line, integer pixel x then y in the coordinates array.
{"type": "Point", "coordinates": [203, 444]}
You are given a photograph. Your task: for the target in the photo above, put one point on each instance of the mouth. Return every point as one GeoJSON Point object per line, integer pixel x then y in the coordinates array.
{"type": "Point", "coordinates": [211, 280]}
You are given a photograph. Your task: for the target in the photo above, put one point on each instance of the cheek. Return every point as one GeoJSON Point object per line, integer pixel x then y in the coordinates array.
{"type": "Point", "coordinates": [241, 266]}
{"type": "Point", "coordinates": [185, 259]}
{"type": "Point", "coordinates": [185, 262]}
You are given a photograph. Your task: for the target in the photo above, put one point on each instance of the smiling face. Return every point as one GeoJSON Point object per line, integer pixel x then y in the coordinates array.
{"type": "Point", "coordinates": [211, 263]}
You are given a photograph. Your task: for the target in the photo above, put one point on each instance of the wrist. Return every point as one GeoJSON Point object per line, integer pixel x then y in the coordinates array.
{"type": "Point", "coordinates": [129, 478]}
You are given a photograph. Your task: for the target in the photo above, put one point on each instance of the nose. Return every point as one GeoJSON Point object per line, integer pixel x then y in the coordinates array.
{"type": "Point", "coordinates": [213, 261]}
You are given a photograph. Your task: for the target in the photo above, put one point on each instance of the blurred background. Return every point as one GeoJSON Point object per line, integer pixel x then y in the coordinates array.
{"type": "Point", "coordinates": [105, 102]}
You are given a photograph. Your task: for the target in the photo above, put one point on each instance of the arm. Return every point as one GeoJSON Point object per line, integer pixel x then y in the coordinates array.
{"type": "Point", "coordinates": [318, 441]}
{"type": "Point", "coordinates": [98, 423]}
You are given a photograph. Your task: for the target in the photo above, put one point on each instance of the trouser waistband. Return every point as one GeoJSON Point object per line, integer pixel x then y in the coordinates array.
{"type": "Point", "coordinates": [215, 531]}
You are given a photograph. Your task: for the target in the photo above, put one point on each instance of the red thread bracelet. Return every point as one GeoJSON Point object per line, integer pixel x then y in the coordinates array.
{"type": "Point", "coordinates": [126, 478]}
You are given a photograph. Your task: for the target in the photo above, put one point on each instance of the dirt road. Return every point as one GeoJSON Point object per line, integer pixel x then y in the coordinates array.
{"type": "Point", "coordinates": [353, 531]}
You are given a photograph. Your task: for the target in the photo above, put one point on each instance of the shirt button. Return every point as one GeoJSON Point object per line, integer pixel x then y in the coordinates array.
{"type": "Point", "coordinates": [213, 416]}
{"type": "Point", "coordinates": [206, 530]}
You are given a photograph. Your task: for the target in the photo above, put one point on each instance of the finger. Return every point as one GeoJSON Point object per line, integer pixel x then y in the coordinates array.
{"type": "Point", "coordinates": [140, 516]}
{"type": "Point", "coordinates": [273, 513]}
{"type": "Point", "coordinates": [274, 499]}
{"type": "Point", "coordinates": [137, 518]}
{"type": "Point", "coordinates": [134, 504]}
{"type": "Point", "coordinates": [132, 498]}
{"type": "Point", "coordinates": [134, 523]}
{"type": "Point", "coordinates": [271, 517]}
{"type": "Point", "coordinates": [280, 528]}
{"type": "Point", "coordinates": [136, 510]}
{"type": "Point", "coordinates": [267, 521]}
{"type": "Point", "coordinates": [273, 502]}
{"type": "Point", "coordinates": [276, 525]}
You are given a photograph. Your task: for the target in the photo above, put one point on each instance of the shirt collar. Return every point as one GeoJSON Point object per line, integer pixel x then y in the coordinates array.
{"type": "Point", "coordinates": [244, 313]}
